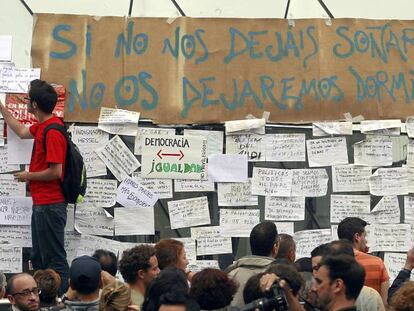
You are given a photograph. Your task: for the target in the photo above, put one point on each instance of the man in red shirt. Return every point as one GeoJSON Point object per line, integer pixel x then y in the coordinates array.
{"type": "Point", "coordinates": [44, 176]}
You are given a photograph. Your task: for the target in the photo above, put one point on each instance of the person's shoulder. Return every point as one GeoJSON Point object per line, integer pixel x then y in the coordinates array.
{"type": "Point", "coordinates": [365, 256]}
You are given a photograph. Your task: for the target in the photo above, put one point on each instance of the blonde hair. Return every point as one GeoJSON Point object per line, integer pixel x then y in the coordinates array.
{"type": "Point", "coordinates": [403, 299]}
{"type": "Point", "coordinates": [115, 296]}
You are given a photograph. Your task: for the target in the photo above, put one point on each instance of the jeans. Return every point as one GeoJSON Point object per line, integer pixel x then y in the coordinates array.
{"type": "Point", "coordinates": [48, 235]}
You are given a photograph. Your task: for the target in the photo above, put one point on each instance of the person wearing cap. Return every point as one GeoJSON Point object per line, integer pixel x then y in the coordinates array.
{"type": "Point", "coordinates": [84, 284]}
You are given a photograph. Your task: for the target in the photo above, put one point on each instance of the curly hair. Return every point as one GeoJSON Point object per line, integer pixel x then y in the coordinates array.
{"type": "Point", "coordinates": [48, 281]}
{"type": "Point", "coordinates": [133, 260]}
{"type": "Point", "coordinates": [403, 299]}
{"type": "Point", "coordinates": [212, 289]}
{"type": "Point", "coordinates": [168, 252]}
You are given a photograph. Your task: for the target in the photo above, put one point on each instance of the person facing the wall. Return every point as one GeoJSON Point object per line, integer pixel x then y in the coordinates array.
{"type": "Point", "coordinates": [45, 173]}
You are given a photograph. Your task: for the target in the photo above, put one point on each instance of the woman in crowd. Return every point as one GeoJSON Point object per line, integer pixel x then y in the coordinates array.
{"type": "Point", "coordinates": [171, 253]}
{"type": "Point", "coordinates": [49, 282]}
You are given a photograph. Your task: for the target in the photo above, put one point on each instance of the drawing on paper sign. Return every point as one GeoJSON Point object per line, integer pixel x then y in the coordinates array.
{"type": "Point", "coordinates": [174, 156]}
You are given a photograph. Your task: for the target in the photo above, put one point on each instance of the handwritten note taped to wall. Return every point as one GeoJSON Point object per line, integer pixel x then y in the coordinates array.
{"type": "Point", "coordinates": [17, 80]}
{"type": "Point", "coordinates": [89, 135]}
{"type": "Point", "coordinates": [309, 182]}
{"type": "Point", "coordinates": [162, 188]}
{"type": "Point", "coordinates": [20, 236]}
{"type": "Point", "coordinates": [269, 181]}
{"type": "Point", "coordinates": [236, 194]}
{"type": "Point", "coordinates": [175, 156]}
{"type": "Point", "coordinates": [93, 163]}
{"type": "Point", "coordinates": [132, 194]}
{"type": "Point", "coordinates": [238, 222]}
{"type": "Point", "coordinates": [394, 262]}
{"type": "Point", "coordinates": [387, 211]}
{"type": "Point", "coordinates": [219, 78]}
{"type": "Point", "coordinates": [142, 224]}
{"type": "Point", "coordinates": [94, 220]}
{"type": "Point", "coordinates": [187, 185]}
{"type": "Point", "coordinates": [327, 151]}
{"type": "Point", "coordinates": [350, 178]}
{"type": "Point", "coordinates": [101, 192]}
{"type": "Point", "coordinates": [389, 181]}
{"type": "Point", "coordinates": [15, 210]}
{"type": "Point", "coordinates": [409, 209]}
{"type": "Point", "coordinates": [343, 206]}
{"type": "Point", "coordinates": [210, 241]}
{"type": "Point", "coordinates": [307, 240]}
{"type": "Point", "coordinates": [118, 121]}
{"type": "Point", "coordinates": [9, 186]}
{"type": "Point", "coordinates": [252, 145]}
{"type": "Point", "coordinates": [4, 159]}
{"type": "Point", "coordinates": [189, 212]}
{"type": "Point", "coordinates": [285, 147]}
{"type": "Point", "coordinates": [389, 238]}
{"type": "Point", "coordinates": [373, 151]}
{"type": "Point", "coordinates": [145, 131]}
{"type": "Point", "coordinates": [284, 208]}
{"type": "Point", "coordinates": [11, 260]}
{"type": "Point", "coordinates": [214, 139]}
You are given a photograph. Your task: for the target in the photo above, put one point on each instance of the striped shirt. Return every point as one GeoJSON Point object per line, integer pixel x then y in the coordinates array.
{"type": "Point", "coordinates": [375, 271]}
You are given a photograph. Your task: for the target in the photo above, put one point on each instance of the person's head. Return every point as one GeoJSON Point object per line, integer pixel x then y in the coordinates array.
{"type": "Point", "coordinates": [316, 256]}
{"type": "Point", "coordinates": [403, 299]}
{"type": "Point", "coordinates": [42, 96]}
{"type": "Point", "coordinates": [85, 275]}
{"type": "Point", "coordinates": [115, 296]}
{"type": "Point", "coordinates": [139, 264]}
{"type": "Point", "coordinates": [353, 230]}
{"type": "Point", "coordinates": [212, 289]}
{"type": "Point", "coordinates": [304, 264]}
{"type": "Point", "coordinates": [22, 292]}
{"type": "Point", "coordinates": [288, 273]}
{"type": "Point", "coordinates": [108, 261]}
{"type": "Point", "coordinates": [170, 283]}
{"type": "Point", "coordinates": [171, 253]}
{"type": "Point", "coordinates": [287, 247]}
{"type": "Point", "coordinates": [340, 247]}
{"type": "Point", "coordinates": [3, 284]}
{"type": "Point", "coordinates": [339, 279]}
{"type": "Point", "coordinates": [263, 239]}
{"type": "Point", "coordinates": [49, 282]}
{"type": "Point", "coordinates": [252, 290]}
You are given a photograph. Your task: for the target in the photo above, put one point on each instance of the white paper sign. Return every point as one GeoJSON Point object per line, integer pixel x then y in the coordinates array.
{"type": "Point", "coordinates": [11, 260]}
{"type": "Point", "coordinates": [189, 212]}
{"type": "Point", "coordinates": [309, 182]}
{"type": "Point", "coordinates": [11, 187]}
{"type": "Point", "coordinates": [331, 128]}
{"type": "Point", "coordinates": [93, 220]}
{"type": "Point", "coordinates": [389, 181]}
{"type": "Point", "coordinates": [17, 80]}
{"type": "Point", "coordinates": [245, 125]}
{"type": "Point", "coordinates": [188, 185]}
{"type": "Point", "coordinates": [214, 139]}
{"type": "Point", "coordinates": [350, 178]}
{"type": "Point", "coordinates": [4, 159]}
{"type": "Point", "coordinates": [210, 242]}
{"type": "Point", "coordinates": [118, 121]}
{"type": "Point", "coordinates": [307, 240]}
{"type": "Point", "coordinates": [251, 145]}
{"type": "Point", "coordinates": [6, 48]}
{"type": "Point", "coordinates": [343, 206]}
{"type": "Point", "coordinates": [20, 236]}
{"type": "Point", "coordinates": [274, 182]}
{"type": "Point", "coordinates": [394, 262]}
{"type": "Point", "coordinates": [162, 188]}
{"type": "Point", "coordinates": [93, 163]}
{"type": "Point", "coordinates": [285, 147]}
{"type": "Point", "coordinates": [387, 211]}
{"type": "Point", "coordinates": [101, 192]}
{"type": "Point", "coordinates": [409, 126]}
{"type": "Point", "coordinates": [117, 157]}
{"type": "Point", "coordinates": [284, 208]}
{"type": "Point", "coordinates": [327, 151]}
{"type": "Point", "coordinates": [70, 218]}
{"type": "Point", "coordinates": [236, 194]}
{"type": "Point", "coordinates": [199, 265]}
{"type": "Point", "coordinates": [89, 136]}
{"type": "Point", "coordinates": [386, 127]}
{"type": "Point", "coordinates": [409, 209]}
{"type": "Point", "coordinates": [410, 153]}
{"type": "Point", "coordinates": [238, 222]}
{"type": "Point", "coordinates": [149, 131]}
{"type": "Point", "coordinates": [89, 243]}
{"type": "Point", "coordinates": [373, 151]}
{"type": "Point", "coordinates": [285, 227]}
{"type": "Point", "coordinates": [132, 194]}
{"type": "Point", "coordinates": [227, 168]}
{"type": "Point", "coordinates": [182, 157]}
{"type": "Point", "coordinates": [15, 210]}
{"type": "Point", "coordinates": [389, 238]}
{"type": "Point", "coordinates": [20, 150]}
{"type": "Point", "coordinates": [134, 221]}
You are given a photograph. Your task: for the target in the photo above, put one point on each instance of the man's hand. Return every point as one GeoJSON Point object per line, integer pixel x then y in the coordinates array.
{"type": "Point", "coordinates": [409, 262]}
{"type": "Point", "coordinates": [22, 176]}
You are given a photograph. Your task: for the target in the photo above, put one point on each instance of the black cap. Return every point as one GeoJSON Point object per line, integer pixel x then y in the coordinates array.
{"type": "Point", "coordinates": [85, 274]}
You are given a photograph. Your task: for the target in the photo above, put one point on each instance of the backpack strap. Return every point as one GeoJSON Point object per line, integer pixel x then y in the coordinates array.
{"type": "Point", "coordinates": [54, 126]}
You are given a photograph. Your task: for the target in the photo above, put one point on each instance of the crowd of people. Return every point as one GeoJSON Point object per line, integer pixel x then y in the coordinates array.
{"type": "Point", "coordinates": [339, 275]}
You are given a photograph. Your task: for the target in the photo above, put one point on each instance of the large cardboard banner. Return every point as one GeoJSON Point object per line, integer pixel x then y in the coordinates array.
{"type": "Point", "coordinates": [212, 70]}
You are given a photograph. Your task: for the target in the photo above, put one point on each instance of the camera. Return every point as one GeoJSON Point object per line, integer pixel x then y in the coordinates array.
{"type": "Point", "coordinates": [274, 300]}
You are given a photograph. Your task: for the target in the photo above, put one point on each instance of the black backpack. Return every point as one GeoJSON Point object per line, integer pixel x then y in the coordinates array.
{"type": "Point", "coordinates": [74, 180]}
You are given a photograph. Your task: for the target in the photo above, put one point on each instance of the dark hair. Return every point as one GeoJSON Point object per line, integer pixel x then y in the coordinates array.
{"type": "Point", "coordinates": [49, 282]}
{"type": "Point", "coordinates": [108, 261]}
{"type": "Point", "coordinates": [10, 282]}
{"type": "Point", "coordinates": [262, 238]}
{"type": "Point", "coordinates": [349, 226]}
{"type": "Point", "coordinates": [252, 290]}
{"type": "Point", "coordinates": [403, 299]}
{"type": "Point", "coordinates": [320, 250]}
{"type": "Point", "coordinates": [286, 243]}
{"type": "Point", "coordinates": [171, 282]}
{"type": "Point", "coordinates": [304, 264]}
{"type": "Point", "coordinates": [289, 274]}
{"type": "Point", "coordinates": [340, 247]}
{"type": "Point", "coordinates": [168, 252]}
{"type": "Point", "coordinates": [175, 297]}
{"type": "Point", "coordinates": [43, 94]}
{"type": "Point", "coordinates": [347, 269]}
{"type": "Point", "coordinates": [212, 289]}
{"type": "Point", "coordinates": [133, 260]}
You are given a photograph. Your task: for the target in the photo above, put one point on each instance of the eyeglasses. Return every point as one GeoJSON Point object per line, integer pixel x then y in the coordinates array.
{"type": "Point", "coordinates": [27, 292]}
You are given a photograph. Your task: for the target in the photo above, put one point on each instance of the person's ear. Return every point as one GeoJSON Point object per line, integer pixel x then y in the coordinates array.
{"type": "Point", "coordinates": [11, 299]}
{"type": "Point", "coordinates": [338, 286]}
{"type": "Point", "coordinates": [141, 274]}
